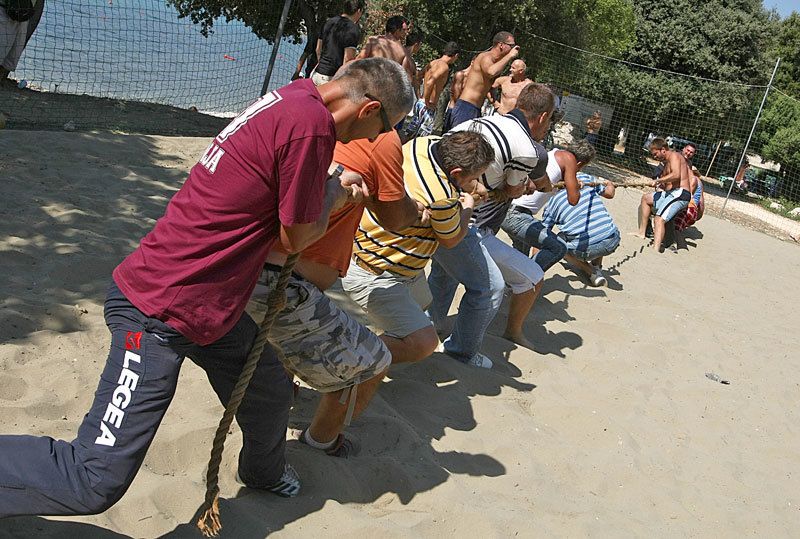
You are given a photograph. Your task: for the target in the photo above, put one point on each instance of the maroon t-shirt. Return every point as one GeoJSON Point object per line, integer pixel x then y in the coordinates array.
{"type": "Point", "coordinates": [198, 266]}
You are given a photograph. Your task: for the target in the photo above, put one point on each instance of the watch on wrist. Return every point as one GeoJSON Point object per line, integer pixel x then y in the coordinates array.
{"type": "Point", "coordinates": [337, 172]}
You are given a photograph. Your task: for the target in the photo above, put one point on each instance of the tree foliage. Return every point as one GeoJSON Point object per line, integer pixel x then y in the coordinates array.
{"type": "Point", "coordinates": [604, 25]}
{"type": "Point", "coordinates": [786, 46]}
{"type": "Point", "coordinates": [660, 85]}
{"type": "Point", "coordinates": [734, 41]}
{"type": "Point", "coordinates": [778, 135]}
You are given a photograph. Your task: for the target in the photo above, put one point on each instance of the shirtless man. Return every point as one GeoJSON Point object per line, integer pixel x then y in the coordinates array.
{"type": "Point", "coordinates": [390, 45]}
{"type": "Point", "coordinates": [485, 67]}
{"type": "Point", "coordinates": [435, 77]}
{"type": "Point", "coordinates": [455, 91]}
{"type": "Point", "coordinates": [672, 195]}
{"type": "Point", "coordinates": [436, 74]}
{"type": "Point", "coordinates": [509, 87]}
{"type": "Point", "coordinates": [413, 44]}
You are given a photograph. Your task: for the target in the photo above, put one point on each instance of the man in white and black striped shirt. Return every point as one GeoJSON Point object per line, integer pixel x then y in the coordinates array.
{"type": "Point", "coordinates": [482, 262]}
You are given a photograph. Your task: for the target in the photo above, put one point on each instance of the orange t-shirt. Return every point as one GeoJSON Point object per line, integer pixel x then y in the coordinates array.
{"type": "Point", "coordinates": [380, 164]}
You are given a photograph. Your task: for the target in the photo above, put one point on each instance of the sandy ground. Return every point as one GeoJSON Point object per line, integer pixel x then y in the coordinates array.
{"type": "Point", "coordinates": [609, 428]}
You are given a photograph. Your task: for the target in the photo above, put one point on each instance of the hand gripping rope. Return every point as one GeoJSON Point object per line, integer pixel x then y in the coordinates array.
{"type": "Point", "coordinates": [209, 522]}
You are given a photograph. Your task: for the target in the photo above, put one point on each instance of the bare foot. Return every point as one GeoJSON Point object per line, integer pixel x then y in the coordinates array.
{"type": "Point", "coordinates": [518, 338]}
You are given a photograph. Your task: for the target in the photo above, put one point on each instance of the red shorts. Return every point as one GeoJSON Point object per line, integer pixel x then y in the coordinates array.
{"type": "Point", "coordinates": [686, 218]}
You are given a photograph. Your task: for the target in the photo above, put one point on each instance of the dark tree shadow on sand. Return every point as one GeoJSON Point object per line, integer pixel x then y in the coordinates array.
{"type": "Point", "coordinates": [66, 223]}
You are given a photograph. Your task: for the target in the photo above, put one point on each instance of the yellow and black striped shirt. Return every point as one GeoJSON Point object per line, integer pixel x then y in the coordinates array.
{"type": "Point", "coordinates": [407, 251]}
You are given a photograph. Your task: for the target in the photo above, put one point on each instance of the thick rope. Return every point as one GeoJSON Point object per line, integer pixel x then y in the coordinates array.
{"type": "Point", "coordinates": [209, 522]}
{"type": "Point", "coordinates": [560, 185]}
{"type": "Point", "coordinates": [498, 195]}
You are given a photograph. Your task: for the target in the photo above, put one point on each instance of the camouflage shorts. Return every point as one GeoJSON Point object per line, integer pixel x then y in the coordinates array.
{"type": "Point", "coordinates": [322, 345]}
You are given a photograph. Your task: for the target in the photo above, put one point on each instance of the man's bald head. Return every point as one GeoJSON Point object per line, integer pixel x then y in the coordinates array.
{"type": "Point", "coordinates": [518, 68]}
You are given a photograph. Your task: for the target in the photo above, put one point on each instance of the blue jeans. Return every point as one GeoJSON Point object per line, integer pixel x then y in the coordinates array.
{"type": "Point", "coordinates": [467, 263]}
{"type": "Point", "coordinates": [43, 476]}
{"type": "Point", "coordinates": [526, 231]}
{"type": "Point", "coordinates": [596, 250]}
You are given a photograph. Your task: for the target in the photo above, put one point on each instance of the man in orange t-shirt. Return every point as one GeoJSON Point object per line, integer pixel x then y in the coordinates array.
{"type": "Point", "coordinates": [323, 345]}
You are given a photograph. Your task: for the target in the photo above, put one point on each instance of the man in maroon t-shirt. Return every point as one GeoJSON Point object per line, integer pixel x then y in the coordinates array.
{"type": "Point", "coordinates": [182, 293]}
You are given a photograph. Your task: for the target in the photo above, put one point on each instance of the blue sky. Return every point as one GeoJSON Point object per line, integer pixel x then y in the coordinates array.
{"type": "Point", "coordinates": [784, 7]}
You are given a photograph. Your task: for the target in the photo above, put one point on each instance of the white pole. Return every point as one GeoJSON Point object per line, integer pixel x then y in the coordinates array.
{"type": "Point", "coordinates": [713, 158]}
{"type": "Point", "coordinates": [752, 130]}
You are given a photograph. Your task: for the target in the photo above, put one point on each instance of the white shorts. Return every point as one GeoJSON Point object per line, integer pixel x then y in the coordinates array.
{"type": "Point", "coordinates": [519, 272]}
{"type": "Point", "coordinates": [12, 40]}
{"type": "Point", "coordinates": [319, 79]}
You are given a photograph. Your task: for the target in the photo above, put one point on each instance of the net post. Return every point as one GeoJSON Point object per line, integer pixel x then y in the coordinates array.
{"type": "Point", "coordinates": [278, 38]}
{"type": "Point", "coordinates": [750, 136]}
{"type": "Point", "coordinates": [713, 158]}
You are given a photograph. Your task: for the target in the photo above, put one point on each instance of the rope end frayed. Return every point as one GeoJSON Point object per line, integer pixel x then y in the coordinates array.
{"type": "Point", "coordinates": [209, 522]}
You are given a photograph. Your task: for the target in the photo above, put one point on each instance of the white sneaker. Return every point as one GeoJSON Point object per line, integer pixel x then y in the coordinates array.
{"type": "Point", "coordinates": [597, 278]}
{"type": "Point", "coordinates": [479, 360]}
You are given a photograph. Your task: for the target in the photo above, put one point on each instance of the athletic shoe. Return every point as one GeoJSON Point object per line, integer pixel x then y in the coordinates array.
{"type": "Point", "coordinates": [288, 486]}
{"type": "Point", "coordinates": [343, 447]}
{"type": "Point", "coordinates": [597, 278]}
{"type": "Point", "coordinates": [479, 360]}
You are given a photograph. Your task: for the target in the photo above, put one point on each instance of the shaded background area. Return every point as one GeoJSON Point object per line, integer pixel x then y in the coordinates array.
{"type": "Point", "coordinates": [172, 67]}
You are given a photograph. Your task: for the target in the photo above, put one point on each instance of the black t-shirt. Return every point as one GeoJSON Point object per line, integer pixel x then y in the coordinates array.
{"type": "Point", "coordinates": [338, 34]}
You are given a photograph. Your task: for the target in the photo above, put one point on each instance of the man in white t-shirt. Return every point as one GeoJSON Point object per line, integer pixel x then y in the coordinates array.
{"type": "Point", "coordinates": [520, 224]}
{"type": "Point", "coordinates": [481, 262]}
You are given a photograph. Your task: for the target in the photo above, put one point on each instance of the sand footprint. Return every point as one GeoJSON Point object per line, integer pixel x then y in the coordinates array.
{"type": "Point", "coordinates": [12, 388]}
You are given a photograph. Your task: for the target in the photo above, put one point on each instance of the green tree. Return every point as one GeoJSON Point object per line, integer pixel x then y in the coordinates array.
{"type": "Point", "coordinates": [604, 25]}
{"type": "Point", "coordinates": [778, 134]}
{"type": "Point", "coordinates": [682, 43]}
{"type": "Point", "coordinates": [786, 46]}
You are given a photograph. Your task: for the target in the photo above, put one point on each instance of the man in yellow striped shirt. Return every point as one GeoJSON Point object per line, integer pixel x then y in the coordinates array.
{"type": "Point", "coordinates": [387, 278]}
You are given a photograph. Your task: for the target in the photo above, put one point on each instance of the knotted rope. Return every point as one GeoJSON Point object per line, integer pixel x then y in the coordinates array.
{"type": "Point", "coordinates": [209, 522]}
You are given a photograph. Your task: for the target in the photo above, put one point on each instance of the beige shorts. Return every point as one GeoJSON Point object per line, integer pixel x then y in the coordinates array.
{"type": "Point", "coordinates": [322, 344]}
{"type": "Point", "coordinates": [394, 303]}
{"type": "Point", "coordinates": [318, 79]}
